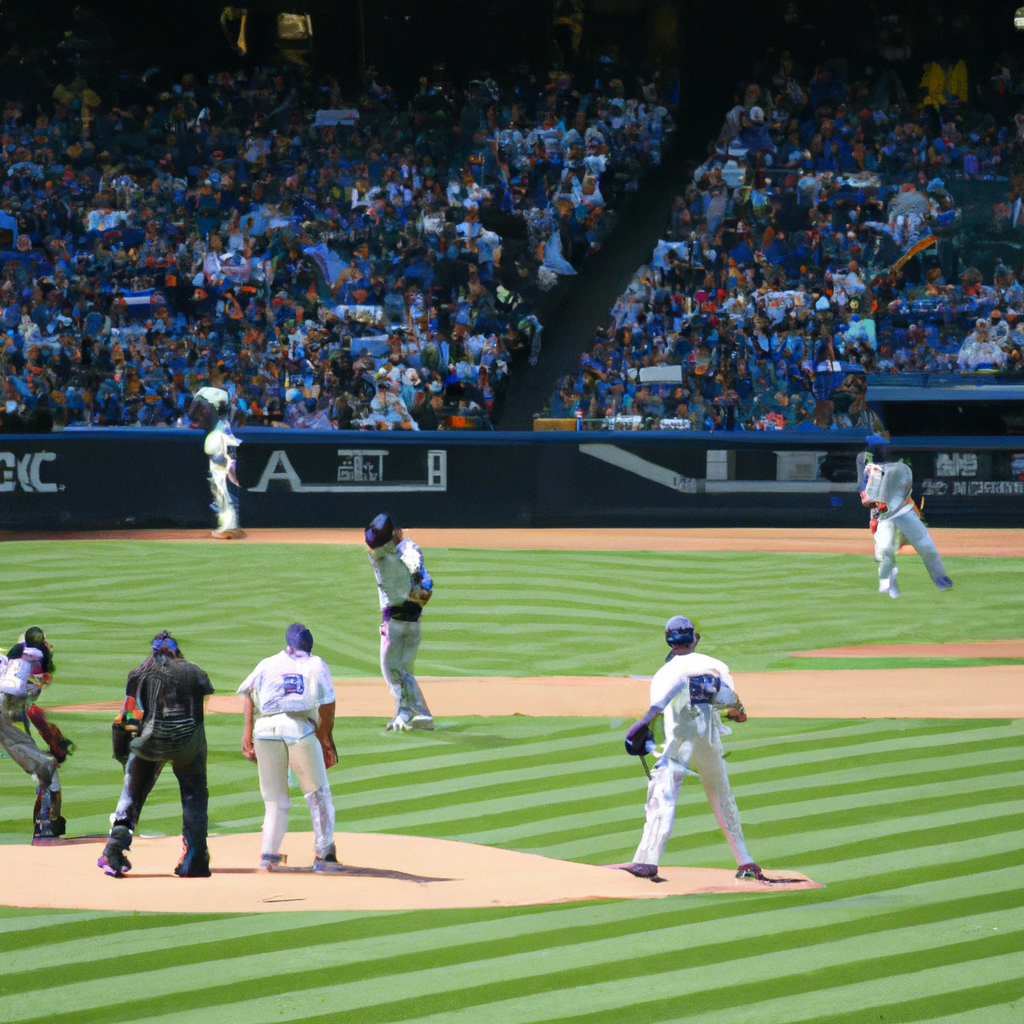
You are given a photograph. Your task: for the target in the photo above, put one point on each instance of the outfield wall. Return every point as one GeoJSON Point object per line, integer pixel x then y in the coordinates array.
{"type": "Point", "coordinates": [136, 478]}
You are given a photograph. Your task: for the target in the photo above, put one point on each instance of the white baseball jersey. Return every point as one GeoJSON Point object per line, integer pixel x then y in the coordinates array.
{"type": "Point", "coordinates": [688, 687]}
{"type": "Point", "coordinates": [14, 679]}
{"type": "Point", "coordinates": [287, 689]}
{"type": "Point", "coordinates": [220, 445]}
{"type": "Point", "coordinates": [891, 484]}
{"type": "Point", "coordinates": [394, 568]}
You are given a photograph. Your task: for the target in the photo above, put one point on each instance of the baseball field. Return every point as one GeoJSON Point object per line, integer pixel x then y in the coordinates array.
{"type": "Point", "coordinates": [891, 775]}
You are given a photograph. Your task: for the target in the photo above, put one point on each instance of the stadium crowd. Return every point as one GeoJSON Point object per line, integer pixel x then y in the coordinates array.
{"type": "Point", "coordinates": [372, 266]}
{"type": "Point", "coordinates": [808, 253]}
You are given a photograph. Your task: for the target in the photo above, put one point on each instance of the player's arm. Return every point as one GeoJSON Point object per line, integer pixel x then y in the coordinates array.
{"type": "Point", "coordinates": [248, 750]}
{"type": "Point", "coordinates": [639, 737]}
{"type": "Point", "coordinates": [325, 715]}
{"type": "Point", "coordinates": [728, 699]}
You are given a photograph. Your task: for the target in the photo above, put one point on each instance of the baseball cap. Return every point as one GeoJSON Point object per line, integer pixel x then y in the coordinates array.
{"type": "Point", "coordinates": [299, 638]}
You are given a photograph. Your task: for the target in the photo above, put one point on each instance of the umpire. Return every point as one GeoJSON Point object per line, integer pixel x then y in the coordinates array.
{"type": "Point", "coordinates": [171, 693]}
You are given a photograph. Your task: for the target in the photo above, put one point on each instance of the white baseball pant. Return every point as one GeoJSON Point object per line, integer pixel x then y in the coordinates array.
{"type": "Point", "coordinates": [892, 532]}
{"type": "Point", "coordinates": [225, 504]}
{"type": "Point", "coordinates": [663, 792]}
{"type": "Point", "coordinates": [305, 757]}
{"type": "Point", "coordinates": [399, 642]}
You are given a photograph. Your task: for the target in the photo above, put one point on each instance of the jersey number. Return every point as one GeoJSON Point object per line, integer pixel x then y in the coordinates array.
{"type": "Point", "coordinates": [292, 684]}
{"type": "Point", "coordinates": [703, 689]}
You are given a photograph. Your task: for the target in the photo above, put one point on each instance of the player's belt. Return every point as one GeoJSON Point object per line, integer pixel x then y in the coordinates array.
{"type": "Point", "coordinates": [407, 612]}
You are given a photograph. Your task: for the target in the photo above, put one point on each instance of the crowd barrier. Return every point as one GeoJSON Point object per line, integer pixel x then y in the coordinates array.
{"type": "Point", "coordinates": [132, 478]}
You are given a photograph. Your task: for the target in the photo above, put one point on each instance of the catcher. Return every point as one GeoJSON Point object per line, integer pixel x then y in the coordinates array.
{"type": "Point", "coordinates": [689, 689]}
{"type": "Point", "coordinates": [26, 669]}
{"type": "Point", "coordinates": [895, 520]}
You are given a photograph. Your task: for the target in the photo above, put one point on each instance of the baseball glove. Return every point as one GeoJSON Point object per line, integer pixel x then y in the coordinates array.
{"type": "Point", "coordinates": [637, 742]}
{"type": "Point", "coordinates": [737, 713]}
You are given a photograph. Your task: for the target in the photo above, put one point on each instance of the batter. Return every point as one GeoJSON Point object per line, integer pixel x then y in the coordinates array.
{"type": "Point", "coordinates": [404, 587]}
{"type": "Point", "coordinates": [294, 695]}
{"type": "Point", "coordinates": [688, 690]}
{"type": "Point", "coordinates": [895, 520]}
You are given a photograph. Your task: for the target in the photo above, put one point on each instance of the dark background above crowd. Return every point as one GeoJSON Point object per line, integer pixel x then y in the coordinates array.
{"type": "Point", "coordinates": [461, 39]}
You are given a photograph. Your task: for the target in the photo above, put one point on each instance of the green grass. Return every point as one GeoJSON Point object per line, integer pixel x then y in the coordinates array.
{"type": "Point", "coordinates": [494, 612]}
{"type": "Point", "coordinates": [915, 827]}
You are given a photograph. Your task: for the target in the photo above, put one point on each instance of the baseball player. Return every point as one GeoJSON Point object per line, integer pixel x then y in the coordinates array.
{"type": "Point", "coordinates": [209, 411]}
{"type": "Point", "coordinates": [688, 690]}
{"type": "Point", "coordinates": [25, 670]}
{"type": "Point", "coordinates": [171, 693]}
{"type": "Point", "coordinates": [886, 488]}
{"type": "Point", "coordinates": [404, 586]}
{"type": "Point", "coordinates": [294, 695]}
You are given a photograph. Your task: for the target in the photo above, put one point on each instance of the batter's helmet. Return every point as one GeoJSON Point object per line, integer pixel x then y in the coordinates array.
{"type": "Point", "coordinates": [380, 531]}
{"type": "Point", "coordinates": [679, 630]}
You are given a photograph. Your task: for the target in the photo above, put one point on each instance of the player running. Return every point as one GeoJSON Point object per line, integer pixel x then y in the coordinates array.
{"type": "Point", "coordinates": [886, 488]}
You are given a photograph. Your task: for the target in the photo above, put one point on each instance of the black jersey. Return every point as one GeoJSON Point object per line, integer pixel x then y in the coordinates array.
{"type": "Point", "coordinates": [170, 694]}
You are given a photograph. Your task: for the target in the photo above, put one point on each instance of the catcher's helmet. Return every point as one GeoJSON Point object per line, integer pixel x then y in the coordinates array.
{"type": "Point", "coordinates": [380, 531]}
{"type": "Point", "coordinates": [679, 630]}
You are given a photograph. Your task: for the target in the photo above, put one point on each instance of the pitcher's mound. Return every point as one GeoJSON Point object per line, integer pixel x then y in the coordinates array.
{"type": "Point", "coordinates": [378, 872]}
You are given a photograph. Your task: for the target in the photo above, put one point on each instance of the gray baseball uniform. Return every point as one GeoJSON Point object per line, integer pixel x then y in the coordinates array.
{"type": "Point", "coordinates": [887, 486]}
{"type": "Point", "coordinates": [403, 586]}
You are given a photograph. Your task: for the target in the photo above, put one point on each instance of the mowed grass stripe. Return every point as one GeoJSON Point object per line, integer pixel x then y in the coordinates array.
{"type": "Point", "coordinates": [484, 605]}
{"type": "Point", "coordinates": [382, 957]}
{"type": "Point", "coordinates": [597, 965]}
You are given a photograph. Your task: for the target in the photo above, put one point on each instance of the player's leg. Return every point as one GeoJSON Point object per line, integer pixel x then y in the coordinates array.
{"type": "Point", "coordinates": [140, 776]}
{"type": "Point", "coordinates": [272, 762]}
{"type": "Point", "coordinates": [715, 779]}
{"type": "Point", "coordinates": [886, 543]}
{"type": "Point", "coordinates": [412, 697]}
{"type": "Point", "coordinates": [662, 794]}
{"type": "Point", "coordinates": [48, 821]}
{"type": "Point", "coordinates": [391, 669]}
{"type": "Point", "coordinates": [22, 750]}
{"type": "Point", "coordinates": [917, 533]}
{"type": "Point", "coordinates": [225, 504]}
{"type": "Point", "coordinates": [190, 771]}
{"type": "Point", "coordinates": [60, 746]}
{"type": "Point", "coordinates": [306, 758]}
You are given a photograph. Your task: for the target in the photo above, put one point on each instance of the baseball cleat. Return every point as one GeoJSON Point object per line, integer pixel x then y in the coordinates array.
{"type": "Point", "coordinates": [114, 863]}
{"type": "Point", "coordinates": [422, 722]}
{"type": "Point", "coordinates": [944, 583]}
{"type": "Point", "coordinates": [398, 724]}
{"type": "Point", "coordinates": [640, 870]}
{"type": "Point", "coordinates": [894, 591]}
{"type": "Point", "coordinates": [269, 861]}
{"type": "Point", "coordinates": [325, 862]}
{"type": "Point", "coordinates": [751, 870]}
